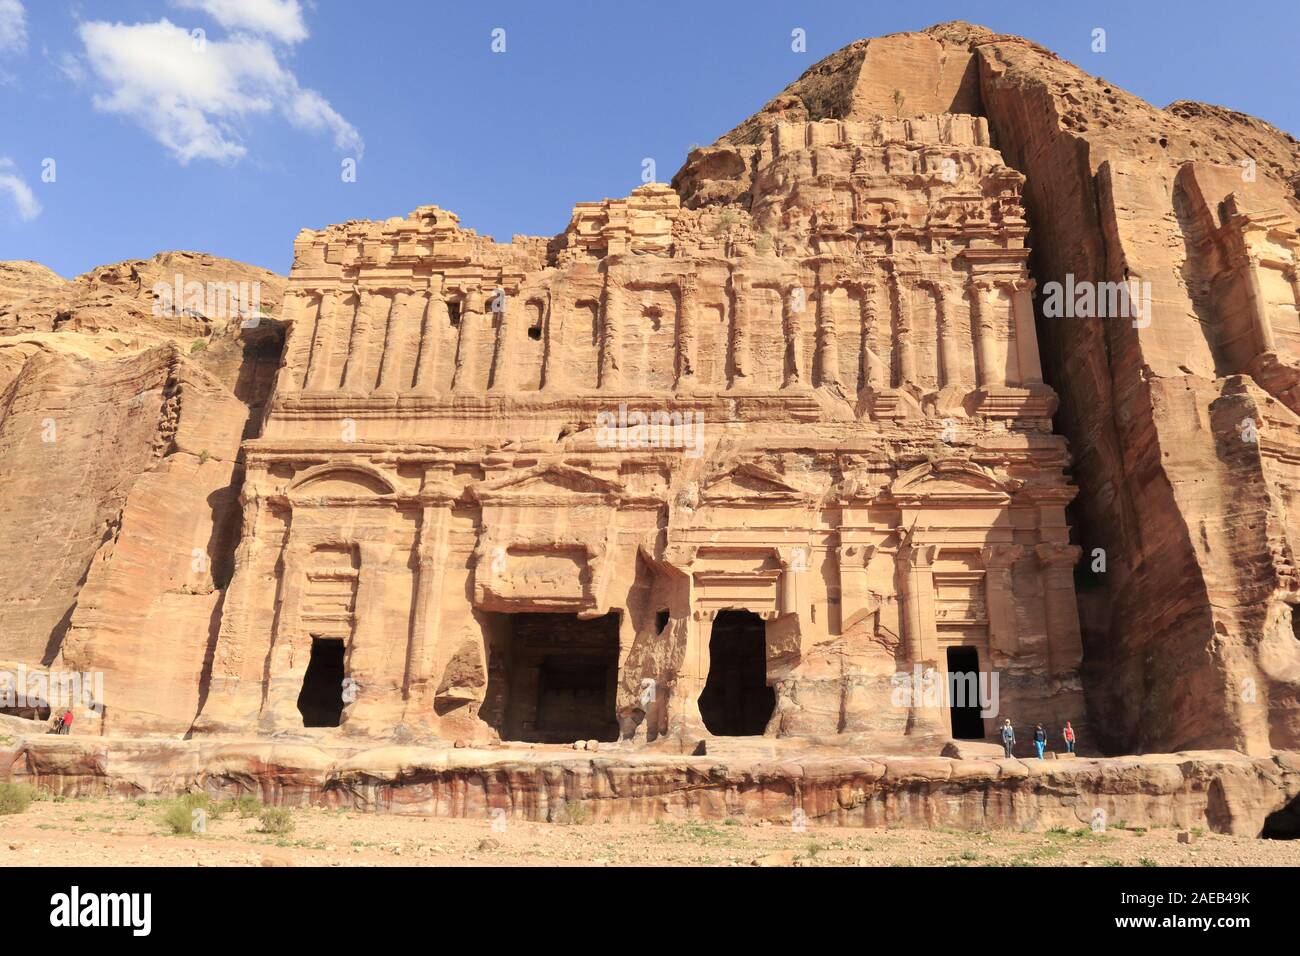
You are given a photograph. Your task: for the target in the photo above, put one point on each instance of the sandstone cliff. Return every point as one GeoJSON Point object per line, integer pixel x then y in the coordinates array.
{"type": "Point", "coordinates": [120, 424]}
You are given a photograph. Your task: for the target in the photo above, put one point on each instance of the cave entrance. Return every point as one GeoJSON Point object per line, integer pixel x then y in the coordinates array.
{"type": "Point", "coordinates": [963, 685]}
{"type": "Point", "coordinates": [556, 677]}
{"type": "Point", "coordinates": [736, 701]}
{"type": "Point", "coordinates": [1283, 824]}
{"type": "Point", "coordinates": [321, 699]}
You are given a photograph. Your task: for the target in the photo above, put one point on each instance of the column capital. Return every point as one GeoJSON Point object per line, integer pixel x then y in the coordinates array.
{"type": "Point", "coordinates": [1057, 555]}
{"type": "Point", "coordinates": [917, 556]}
{"type": "Point", "coordinates": [1001, 556]}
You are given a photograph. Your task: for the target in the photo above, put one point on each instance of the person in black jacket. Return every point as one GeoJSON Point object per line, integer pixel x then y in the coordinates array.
{"type": "Point", "coordinates": [1040, 740]}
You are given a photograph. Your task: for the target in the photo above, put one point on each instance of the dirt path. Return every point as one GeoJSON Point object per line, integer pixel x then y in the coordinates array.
{"type": "Point", "coordinates": [105, 832]}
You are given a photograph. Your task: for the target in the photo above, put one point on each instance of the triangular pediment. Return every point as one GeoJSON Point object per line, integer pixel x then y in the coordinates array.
{"type": "Point", "coordinates": [951, 480]}
{"type": "Point", "coordinates": [547, 481]}
{"type": "Point", "coordinates": [750, 482]}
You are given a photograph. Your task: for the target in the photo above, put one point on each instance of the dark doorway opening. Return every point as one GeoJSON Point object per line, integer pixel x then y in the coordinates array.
{"type": "Point", "coordinates": [553, 678]}
{"type": "Point", "coordinates": [321, 699]}
{"type": "Point", "coordinates": [736, 701]}
{"type": "Point", "coordinates": [1283, 824]}
{"type": "Point", "coordinates": [963, 684]}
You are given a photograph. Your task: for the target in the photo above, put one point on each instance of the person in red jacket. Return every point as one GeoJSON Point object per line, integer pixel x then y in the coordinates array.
{"type": "Point", "coordinates": [66, 726]}
{"type": "Point", "coordinates": [1068, 733]}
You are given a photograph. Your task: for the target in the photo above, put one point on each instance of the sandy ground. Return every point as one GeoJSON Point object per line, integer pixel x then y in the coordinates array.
{"type": "Point", "coordinates": [105, 832]}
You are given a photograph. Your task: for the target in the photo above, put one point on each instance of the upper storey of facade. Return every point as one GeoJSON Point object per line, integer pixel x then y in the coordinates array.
{"type": "Point", "coordinates": [832, 271]}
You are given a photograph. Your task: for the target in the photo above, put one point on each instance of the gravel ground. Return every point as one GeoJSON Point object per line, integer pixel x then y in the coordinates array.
{"type": "Point", "coordinates": [106, 832]}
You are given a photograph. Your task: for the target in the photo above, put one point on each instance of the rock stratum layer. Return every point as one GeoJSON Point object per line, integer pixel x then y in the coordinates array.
{"type": "Point", "coordinates": [727, 457]}
{"type": "Point", "coordinates": [1222, 791]}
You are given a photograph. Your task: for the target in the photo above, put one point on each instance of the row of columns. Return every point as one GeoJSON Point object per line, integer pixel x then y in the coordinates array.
{"type": "Point", "coordinates": [390, 326]}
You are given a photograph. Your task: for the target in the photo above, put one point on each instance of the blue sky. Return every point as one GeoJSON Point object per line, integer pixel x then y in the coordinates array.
{"type": "Point", "coordinates": [231, 145]}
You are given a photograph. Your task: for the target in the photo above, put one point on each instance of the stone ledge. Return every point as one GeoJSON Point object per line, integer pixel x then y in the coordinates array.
{"type": "Point", "coordinates": [1223, 791]}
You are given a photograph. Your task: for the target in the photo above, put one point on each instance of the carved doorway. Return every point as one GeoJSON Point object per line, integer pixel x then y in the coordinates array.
{"type": "Point", "coordinates": [963, 685]}
{"type": "Point", "coordinates": [321, 699]}
{"type": "Point", "coordinates": [736, 701]}
{"type": "Point", "coordinates": [552, 678]}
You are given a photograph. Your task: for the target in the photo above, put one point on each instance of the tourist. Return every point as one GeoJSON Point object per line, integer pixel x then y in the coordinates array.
{"type": "Point", "coordinates": [66, 726]}
{"type": "Point", "coordinates": [1040, 740]}
{"type": "Point", "coordinates": [1008, 737]}
{"type": "Point", "coordinates": [1068, 733]}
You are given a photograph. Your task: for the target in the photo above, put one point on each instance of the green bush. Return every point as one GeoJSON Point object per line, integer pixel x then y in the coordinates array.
{"type": "Point", "coordinates": [14, 798]}
{"type": "Point", "coordinates": [276, 820]}
{"type": "Point", "coordinates": [203, 801]}
{"type": "Point", "coordinates": [198, 345]}
{"type": "Point", "coordinates": [248, 805]}
{"type": "Point", "coordinates": [178, 818]}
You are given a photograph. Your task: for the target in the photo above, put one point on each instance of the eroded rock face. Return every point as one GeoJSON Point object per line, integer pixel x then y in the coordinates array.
{"type": "Point", "coordinates": [120, 428]}
{"type": "Point", "coordinates": [1225, 792]}
{"type": "Point", "coordinates": [1182, 419]}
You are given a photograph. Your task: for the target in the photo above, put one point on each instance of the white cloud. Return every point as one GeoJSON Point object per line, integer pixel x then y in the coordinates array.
{"type": "Point", "coordinates": [18, 190]}
{"type": "Point", "coordinates": [279, 19]}
{"type": "Point", "coordinates": [13, 26]}
{"type": "Point", "coordinates": [195, 97]}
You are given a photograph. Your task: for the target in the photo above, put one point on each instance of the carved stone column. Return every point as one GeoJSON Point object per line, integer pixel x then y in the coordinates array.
{"type": "Point", "coordinates": [688, 318]}
{"type": "Point", "coordinates": [794, 562]}
{"type": "Point", "coordinates": [989, 375]}
{"type": "Point", "coordinates": [1000, 599]}
{"type": "Point", "coordinates": [1031, 369]}
{"type": "Point", "coordinates": [611, 338]}
{"type": "Point", "coordinates": [558, 316]}
{"type": "Point", "coordinates": [503, 367]}
{"type": "Point", "coordinates": [949, 346]}
{"type": "Point", "coordinates": [431, 550]}
{"type": "Point", "coordinates": [916, 595]}
{"type": "Point", "coordinates": [464, 378]}
{"type": "Point", "coordinates": [431, 320]}
{"type": "Point", "coordinates": [875, 369]}
{"type": "Point", "coordinates": [1064, 643]}
{"type": "Point", "coordinates": [793, 374]}
{"type": "Point", "coordinates": [376, 675]}
{"type": "Point", "coordinates": [903, 345]}
{"type": "Point", "coordinates": [828, 354]}
{"type": "Point", "coordinates": [1258, 306]}
{"type": "Point", "coordinates": [289, 655]}
{"type": "Point", "coordinates": [322, 339]}
{"type": "Point", "coordinates": [372, 310]}
{"type": "Point", "coordinates": [395, 338]}
{"type": "Point", "coordinates": [740, 294]}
